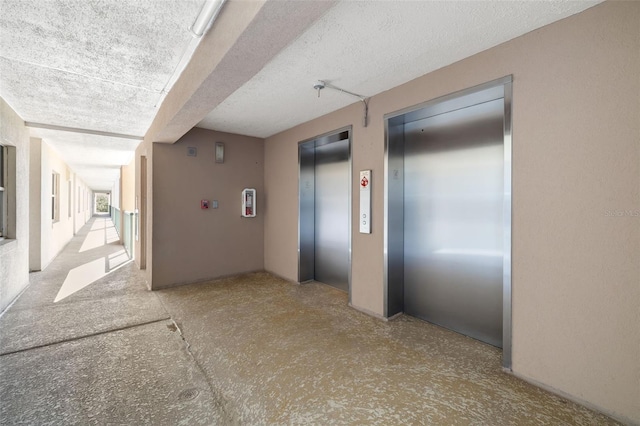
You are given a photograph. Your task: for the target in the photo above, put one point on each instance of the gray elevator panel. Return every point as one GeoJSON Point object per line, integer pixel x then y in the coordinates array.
{"type": "Point", "coordinates": [306, 242]}
{"type": "Point", "coordinates": [332, 214]}
{"type": "Point", "coordinates": [453, 224]}
{"type": "Point", "coordinates": [395, 219]}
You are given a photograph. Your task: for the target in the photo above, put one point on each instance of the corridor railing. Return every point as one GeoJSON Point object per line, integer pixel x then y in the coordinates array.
{"type": "Point", "coordinates": [124, 224]}
{"type": "Point", "coordinates": [127, 232]}
{"type": "Point", "coordinates": [115, 217]}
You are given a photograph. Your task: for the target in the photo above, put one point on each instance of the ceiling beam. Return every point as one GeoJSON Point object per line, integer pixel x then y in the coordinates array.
{"type": "Point", "coordinates": [83, 131]}
{"type": "Point", "coordinates": [245, 37]}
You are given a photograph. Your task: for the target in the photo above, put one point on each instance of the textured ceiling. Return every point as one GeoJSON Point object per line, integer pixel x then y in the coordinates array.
{"type": "Point", "coordinates": [105, 65]}
{"type": "Point", "coordinates": [101, 65]}
{"type": "Point", "coordinates": [277, 24]}
{"type": "Point", "coordinates": [368, 47]}
{"type": "Point", "coordinates": [96, 158]}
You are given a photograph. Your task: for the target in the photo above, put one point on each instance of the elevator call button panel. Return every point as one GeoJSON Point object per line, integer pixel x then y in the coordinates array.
{"type": "Point", "coordinates": [365, 202]}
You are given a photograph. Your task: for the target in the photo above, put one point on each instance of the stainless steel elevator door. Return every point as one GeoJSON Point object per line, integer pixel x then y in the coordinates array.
{"type": "Point", "coordinates": [332, 214]}
{"type": "Point", "coordinates": [453, 201]}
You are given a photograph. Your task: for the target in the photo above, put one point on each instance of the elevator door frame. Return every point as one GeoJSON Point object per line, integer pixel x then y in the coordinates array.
{"type": "Point", "coordinates": [394, 194]}
{"type": "Point", "coordinates": [306, 202]}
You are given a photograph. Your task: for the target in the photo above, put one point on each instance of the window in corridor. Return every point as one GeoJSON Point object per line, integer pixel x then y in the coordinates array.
{"type": "Point", "coordinates": [7, 192]}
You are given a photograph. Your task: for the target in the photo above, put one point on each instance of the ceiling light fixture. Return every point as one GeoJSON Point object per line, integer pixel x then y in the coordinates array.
{"type": "Point", "coordinates": [207, 15]}
{"type": "Point", "coordinates": [321, 84]}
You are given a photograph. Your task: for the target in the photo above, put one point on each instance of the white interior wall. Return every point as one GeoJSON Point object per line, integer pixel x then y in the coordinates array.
{"type": "Point", "coordinates": [14, 251]}
{"type": "Point", "coordinates": [49, 237]}
{"type": "Point", "coordinates": [85, 204]}
{"type": "Point", "coordinates": [115, 194]}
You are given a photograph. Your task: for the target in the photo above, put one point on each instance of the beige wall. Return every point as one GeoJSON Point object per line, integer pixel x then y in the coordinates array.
{"type": "Point", "coordinates": [128, 186]}
{"type": "Point", "coordinates": [14, 251]}
{"type": "Point", "coordinates": [191, 244]}
{"type": "Point", "coordinates": [576, 128]}
{"type": "Point", "coordinates": [230, 24]}
{"type": "Point", "coordinates": [123, 197]}
{"type": "Point", "coordinates": [233, 21]}
{"type": "Point", "coordinates": [143, 253]}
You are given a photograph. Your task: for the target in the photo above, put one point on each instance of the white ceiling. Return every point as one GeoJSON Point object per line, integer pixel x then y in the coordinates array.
{"type": "Point", "coordinates": [106, 65]}
{"type": "Point", "coordinates": [368, 47]}
{"type": "Point", "coordinates": [97, 159]}
{"type": "Point", "coordinates": [101, 65]}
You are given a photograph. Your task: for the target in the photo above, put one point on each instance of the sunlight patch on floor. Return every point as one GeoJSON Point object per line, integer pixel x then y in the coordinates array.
{"type": "Point", "coordinates": [112, 235]}
{"type": "Point", "coordinates": [90, 272]}
{"type": "Point", "coordinates": [116, 259]}
{"type": "Point", "coordinates": [99, 224]}
{"type": "Point", "coordinates": [102, 232]}
{"type": "Point", "coordinates": [80, 277]}
{"type": "Point", "coordinates": [94, 239]}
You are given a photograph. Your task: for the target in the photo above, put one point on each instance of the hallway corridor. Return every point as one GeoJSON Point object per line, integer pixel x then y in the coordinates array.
{"type": "Point", "coordinates": [88, 344]}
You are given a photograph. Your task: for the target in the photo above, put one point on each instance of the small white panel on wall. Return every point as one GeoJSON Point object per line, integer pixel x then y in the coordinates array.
{"type": "Point", "coordinates": [365, 202]}
{"type": "Point", "coordinates": [248, 202]}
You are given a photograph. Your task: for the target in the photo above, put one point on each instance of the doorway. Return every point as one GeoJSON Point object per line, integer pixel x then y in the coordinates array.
{"type": "Point", "coordinates": [324, 237]}
{"type": "Point", "coordinates": [448, 213]}
{"type": "Point", "coordinates": [142, 213]}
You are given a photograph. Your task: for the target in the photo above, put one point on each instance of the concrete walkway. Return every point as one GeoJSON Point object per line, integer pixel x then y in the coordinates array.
{"type": "Point", "coordinates": [95, 347]}
{"type": "Point", "coordinates": [86, 343]}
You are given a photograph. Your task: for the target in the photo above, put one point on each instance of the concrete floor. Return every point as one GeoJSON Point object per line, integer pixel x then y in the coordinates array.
{"type": "Point", "coordinates": [246, 350]}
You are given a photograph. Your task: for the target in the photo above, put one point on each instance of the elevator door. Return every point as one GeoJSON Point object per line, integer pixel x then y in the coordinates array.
{"type": "Point", "coordinates": [453, 241]}
{"type": "Point", "coordinates": [332, 214]}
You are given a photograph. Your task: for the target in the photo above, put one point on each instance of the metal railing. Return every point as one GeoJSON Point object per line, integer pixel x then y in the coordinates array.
{"type": "Point", "coordinates": [115, 217]}
{"type": "Point", "coordinates": [127, 231]}
{"type": "Point", "coordinates": [124, 222]}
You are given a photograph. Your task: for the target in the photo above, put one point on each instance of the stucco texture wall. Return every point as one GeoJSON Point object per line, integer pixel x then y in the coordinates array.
{"type": "Point", "coordinates": [191, 244]}
{"type": "Point", "coordinates": [47, 238]}
{"type": "Point", "coordinates": [576, 163]}
{"type": "Point", "coordinates": [54, 234]}
{"type": "Point", "coordinates": [127, 183]}
{"type": "Point", "coordinates": [143, 253]}
{"type": "Point", "coordinates": [14, 252]}
{"type": "Point", "coordinates": [82, 201]}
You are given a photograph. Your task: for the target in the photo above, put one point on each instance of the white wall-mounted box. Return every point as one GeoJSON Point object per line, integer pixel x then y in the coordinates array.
{"type": "Point", "coordinates": [248, 202]}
